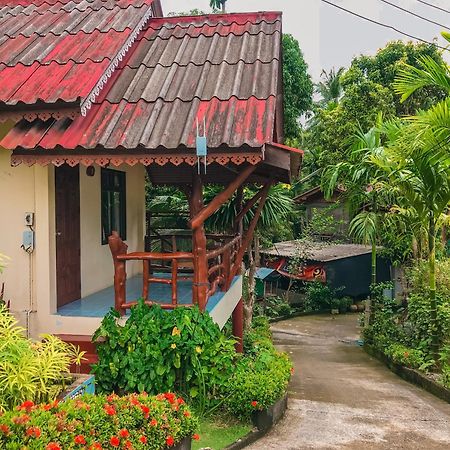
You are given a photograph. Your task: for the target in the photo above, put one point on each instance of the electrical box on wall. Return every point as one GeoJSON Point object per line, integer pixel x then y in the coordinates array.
{"type": "Point", "coordinates": [29, 219]}
{"type": "Point", "coordinates": [28, 241]}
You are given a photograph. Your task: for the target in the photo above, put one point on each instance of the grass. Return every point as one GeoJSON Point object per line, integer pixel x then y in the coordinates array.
{"type": "Point", "coordinates": [218, 434]}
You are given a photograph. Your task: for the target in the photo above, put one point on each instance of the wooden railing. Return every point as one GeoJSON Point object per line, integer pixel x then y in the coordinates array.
{"type": "Point", "coordinates": [177, 265]}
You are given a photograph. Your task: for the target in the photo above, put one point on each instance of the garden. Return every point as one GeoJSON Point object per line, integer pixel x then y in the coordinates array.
{"type": "Point", "coordinates": [163, 379]}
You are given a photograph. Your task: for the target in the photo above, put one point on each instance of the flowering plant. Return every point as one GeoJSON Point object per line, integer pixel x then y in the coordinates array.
{"type": "Point", "coordinates": [99, 422]}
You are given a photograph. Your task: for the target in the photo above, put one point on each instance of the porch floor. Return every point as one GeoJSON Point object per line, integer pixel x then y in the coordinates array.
{"type": "Point", "coordinates": [99, 303]}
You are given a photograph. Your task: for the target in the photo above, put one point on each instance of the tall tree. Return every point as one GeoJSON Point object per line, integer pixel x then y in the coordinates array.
{"type": "Point", "coordinates": [330, 89]}
{"type": "Point", "coordinates": [298, 87]}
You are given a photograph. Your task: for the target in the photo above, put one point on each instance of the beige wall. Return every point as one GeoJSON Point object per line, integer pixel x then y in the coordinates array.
{"type": "Point", "coordinates": [30, 280]}
{"type": "Point", "coordinates": [96, 262]}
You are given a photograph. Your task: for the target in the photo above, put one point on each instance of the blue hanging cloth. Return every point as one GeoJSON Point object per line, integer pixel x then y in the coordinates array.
{"type": "Point", "coordinates": [202, 146]}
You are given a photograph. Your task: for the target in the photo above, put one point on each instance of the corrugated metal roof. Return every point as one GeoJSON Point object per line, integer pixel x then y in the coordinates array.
{"type": "Point", "coordinates": [317, 251]}
{"type": "Point", "coordinates": [224, 68]}
{"type": "Point", "coordinates": [56, 51]}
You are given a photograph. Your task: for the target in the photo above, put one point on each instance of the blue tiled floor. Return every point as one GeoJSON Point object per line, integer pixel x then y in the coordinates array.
{"type": "Point", "coordinates": [99, 303]}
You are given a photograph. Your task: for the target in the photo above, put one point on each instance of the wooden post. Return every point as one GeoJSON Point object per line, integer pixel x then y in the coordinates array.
{"type": "Point", "coordinates": [200, 282]}
{"type": "Point", "coordinates": [174, 282]}
{"type": "Point", "coordinates": [118, 247]}
{"type": "Point", "coordinates": [251, 229]}
{"type": "Point", "coordinates": [238, 326]}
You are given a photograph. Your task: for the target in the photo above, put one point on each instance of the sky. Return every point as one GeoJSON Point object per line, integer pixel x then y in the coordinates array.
{"type": "Point", "coordinates": [329, 37]}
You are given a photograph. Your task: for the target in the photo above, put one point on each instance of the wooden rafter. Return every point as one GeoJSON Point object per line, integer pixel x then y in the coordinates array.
{"type": "Point", "coordinates": [199, 218]}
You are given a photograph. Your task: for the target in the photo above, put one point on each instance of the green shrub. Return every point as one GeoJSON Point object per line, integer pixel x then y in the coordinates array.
{"type": "Point", "coordinates": [405, 356]}
{"type": "Point", "coordinates": [36, 371]}
{"type": "Point", "coordinates": [273, 307]}
{"type": "Point", "coordinates": [320, 296]}
{"type": "Point", "coordinates": [95, 422]}
{"type": "Point", "coordinates": [261, 376]}
{"type": "Point", "coordinates": [156, 351]}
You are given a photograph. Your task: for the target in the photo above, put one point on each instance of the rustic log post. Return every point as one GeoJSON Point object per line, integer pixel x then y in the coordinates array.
{"type": "Point", "coordinates": [238, 326]}
{"type": "Point", "coordinates": [118, 247]}
{"type": "Point", "coordinates": [200, 283]}
{"type": "Point", "coordinates": [251, 229]}
{"type": "Point", "coordinates": [145, 276]}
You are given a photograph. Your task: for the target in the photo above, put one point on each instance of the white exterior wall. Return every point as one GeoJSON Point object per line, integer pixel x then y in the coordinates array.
{"type": "Point", "coordinates": [30, 280]}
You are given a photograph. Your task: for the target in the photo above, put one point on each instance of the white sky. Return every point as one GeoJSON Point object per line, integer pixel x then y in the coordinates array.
{"type": "Point", "coordinates": [329, 37]}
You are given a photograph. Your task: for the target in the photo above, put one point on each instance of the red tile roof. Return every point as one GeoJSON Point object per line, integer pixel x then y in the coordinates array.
{"type": "Point", "coordinates": [221, 68]}
{"type": "Point", "coordinates": [56, 51]}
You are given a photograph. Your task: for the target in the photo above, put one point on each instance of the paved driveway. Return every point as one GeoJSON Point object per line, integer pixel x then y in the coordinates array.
{"type": "Point", "coordinates": [341, 398]}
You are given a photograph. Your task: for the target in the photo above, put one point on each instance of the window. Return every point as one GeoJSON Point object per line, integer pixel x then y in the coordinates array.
{"type": "Point", "coordinates": [114, 208]}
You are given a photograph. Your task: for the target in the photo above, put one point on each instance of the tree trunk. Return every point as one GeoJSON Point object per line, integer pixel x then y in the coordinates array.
{"type": "Point", "coordinates": [370, 303]}
{"type": "Point", "coordinates": [250, 300]}
{"type": "Point", "coordinates": [433, 305]}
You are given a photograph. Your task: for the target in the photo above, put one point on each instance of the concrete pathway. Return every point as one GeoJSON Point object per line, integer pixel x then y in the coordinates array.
{"type": "Point", "coordinates": [341, 398]}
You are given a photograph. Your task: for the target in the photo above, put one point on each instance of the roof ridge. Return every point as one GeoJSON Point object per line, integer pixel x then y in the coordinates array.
{"type": "Point", "coordinates": [65, 32]}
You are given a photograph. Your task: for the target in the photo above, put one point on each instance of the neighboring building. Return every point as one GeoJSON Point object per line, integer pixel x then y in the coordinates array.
{"type": "Point", "coordinates": [339, 265]}
{"type": "Point", "coordinates": [335, 216]}
{"type": "Point", "coordinates": [96, 96]}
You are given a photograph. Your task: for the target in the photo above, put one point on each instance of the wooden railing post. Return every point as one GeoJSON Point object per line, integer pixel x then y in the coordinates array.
{"type": "Point", "coordinates": [118, 247]}
{"type": "Point", "coordinates": [227, 267]}
{"type": "Point", "coordinates": [174, 282]}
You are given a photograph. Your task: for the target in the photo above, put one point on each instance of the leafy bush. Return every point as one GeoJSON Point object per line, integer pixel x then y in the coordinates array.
{"type": "Point", "coordinates": [261, 376]}
{"type": "Point", "coordinates": [405, 356]}
{"type": "Point", "coordinates": [320, 296]}
{"type": "Point", "coordinates": [95, 422]}
{"type": "Point", "coordinates": [29, 370]}
{"type": "Point", "coordinates": [156, 351]}
{"type": "Point", "coordinates": [273, 307]}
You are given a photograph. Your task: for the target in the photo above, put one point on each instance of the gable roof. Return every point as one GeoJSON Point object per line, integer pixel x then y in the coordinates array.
{"type": "Point", "coordinates": [53, 53]}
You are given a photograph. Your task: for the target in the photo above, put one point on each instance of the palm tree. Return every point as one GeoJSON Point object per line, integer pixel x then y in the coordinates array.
{"type": "Point", "coordinates": [418, 163]}
{"type": "Point", "coordinates": [363, 192]}
{"type": "Point", "coordinates": [218, 4]}
{"type": "Point", "coordinates": [330, 89]}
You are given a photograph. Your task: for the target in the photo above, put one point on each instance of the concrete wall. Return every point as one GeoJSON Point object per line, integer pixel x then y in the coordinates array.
{"type": "Point", "coordinates": [30, 279]}
{"type": "Point", "coordinates": [96, 263]}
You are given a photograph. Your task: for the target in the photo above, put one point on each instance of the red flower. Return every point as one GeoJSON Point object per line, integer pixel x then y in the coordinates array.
{"type": "Point", "coordinates": [111, 398]}
{"type": "Point", "coordinates": [145, 410]}
{"type": "Point", "coordinates": [254, 403]}
{"type": "Point", "coordinates": [153, 423]}
{"type": "Point", "coordinates": [26, 405]}
{"type": "Point", "coordinates": [180, 401]}
{"type": "Point", "coordinates": [33, 431]}
{"type": "Point", "coordinates": [186, 414]}
{"type": "Point", "coordinates": [114, 441]}
{"type": "Point", "coordinates": [196, 437]}
{"type": "Point", "coordinates": [124, 433]}
{"type": "Point", "coordinates": [128, 445]}
{"type": "Point", "coordinates": [4, 428]}
{"type": "Point", "coordinates": [95, 446]}
{"type": "Point", "coordinates": [80, 439]}
{"type": "Point", "coordinates": [143, 439]}
{"type": "Point", "coordinates": [53, 446]}
{"type": "Point", "coordinates": [170, 397]}
{"type": "Point", "coordinates": [170, 441]}
{"type": "Point", "coordinates": [109, 410]}
{"type": "Point", "coordinates": [20, 420]}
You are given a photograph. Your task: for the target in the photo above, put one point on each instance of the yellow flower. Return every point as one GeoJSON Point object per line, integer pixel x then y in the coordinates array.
{"type": "Point", "coordinates": [176, 331]}
{"type": "Point", "coordinates": [198, 349]}
{"type": "Point", "coordinates": [173, 346]}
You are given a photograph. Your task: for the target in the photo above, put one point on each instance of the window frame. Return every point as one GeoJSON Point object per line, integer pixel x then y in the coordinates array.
{"type": "Point", "coordinates": [106, 187]}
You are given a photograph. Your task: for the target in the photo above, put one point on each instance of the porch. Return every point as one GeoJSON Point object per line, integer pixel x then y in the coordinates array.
{"type": "Point", "coordinates": [97, 305]}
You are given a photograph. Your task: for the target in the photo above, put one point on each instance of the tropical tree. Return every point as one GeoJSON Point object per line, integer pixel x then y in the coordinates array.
{"type": "Point", "coordinates": [330, 89]}
{"type": "Point", "coordinates": [418, 162]}
{"type": "Point", "coordinates": [359, 179]}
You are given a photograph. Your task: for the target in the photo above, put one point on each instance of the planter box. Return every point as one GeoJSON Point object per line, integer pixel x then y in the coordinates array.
{"type": "Point", "coordinates": [82, 384]}
{"type": "Point", "coordinates": [185, 444]}
{"type": "Point", "coordinates": [411, 375]}
{"type": "Point", "coordinates": [267, 418]}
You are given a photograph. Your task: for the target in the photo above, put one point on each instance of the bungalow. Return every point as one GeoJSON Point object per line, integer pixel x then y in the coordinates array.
{"type": "Point", "coordinates": [96, 97]}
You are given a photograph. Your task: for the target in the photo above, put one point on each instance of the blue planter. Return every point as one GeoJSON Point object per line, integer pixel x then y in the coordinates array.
{"type": "Point", "coordinates": [82, 384]}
